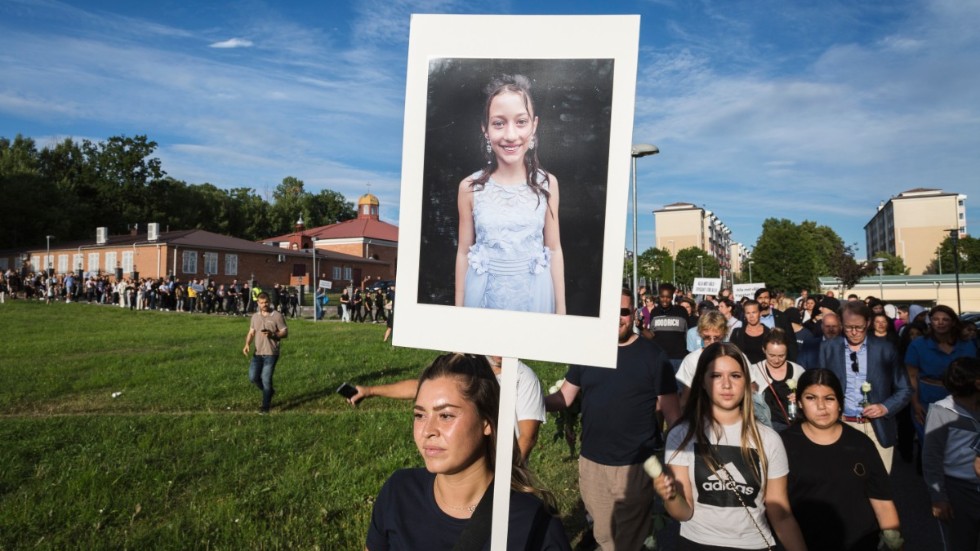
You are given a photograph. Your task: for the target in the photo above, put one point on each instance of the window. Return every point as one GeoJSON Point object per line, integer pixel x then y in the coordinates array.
{"type": "Point", "coordinates": [961, 216]}
{"type": "Point", "coordinates": [93, 263]}
{"type": "Point", "coordinates": [348, 273]}
{"type": "Point", "coordinates": [211, 263]}
{"type": "Point", "coordinates": [110, 262]}
{"type": "Point", "coordinates": [188, 263]}
{"type": "Point", "coordinates": [76, 261]}
{"type": "Point", "coordinates": [336, 273]}
{"type": "Point", "coordinates": [62, 263]}
{"type": "Point", "coordinates": [231, 264]}
{"type": "Point", "coordinates": [127, 262]}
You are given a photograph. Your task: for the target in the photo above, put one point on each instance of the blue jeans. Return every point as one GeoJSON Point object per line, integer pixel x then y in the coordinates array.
{"type": "Point", "coordinates": [260, 371]}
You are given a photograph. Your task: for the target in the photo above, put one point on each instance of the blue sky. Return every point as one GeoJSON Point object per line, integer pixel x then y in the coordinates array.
{"type": "Point", "coordinates": [799, 110]}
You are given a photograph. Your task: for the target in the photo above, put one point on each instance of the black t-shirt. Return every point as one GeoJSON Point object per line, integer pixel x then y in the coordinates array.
{"type": "Point", "coordinates": [829, 489]}
{"type": "Point", "coordinates": [669, 326]}
{"type": "Point", "coordinates": [406, 517]}
{"type": "Point", "coordinates": [750, 346]}
{"type": "Point", "coordinates": [619, 424]}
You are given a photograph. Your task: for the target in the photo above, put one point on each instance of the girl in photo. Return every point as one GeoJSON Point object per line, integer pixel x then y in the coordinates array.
{"type": "Point", "coordinates": [509, 255]}
{"type": "Point", "coordinates": [726, 475]}
{"type": "Point", "coordinates": [450, 500]}
{"type": "Point", "coordinates": [775, 375]}
{"type": "Point", "coordinates": [838, 486]}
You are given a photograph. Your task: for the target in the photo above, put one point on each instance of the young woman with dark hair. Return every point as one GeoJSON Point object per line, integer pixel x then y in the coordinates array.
{"type": "Point", "coordinates": [509, 255]}
{"type": "Point", "coordinates": [455, 431]}
{"type": "Point", "coordinates": [838, 486]}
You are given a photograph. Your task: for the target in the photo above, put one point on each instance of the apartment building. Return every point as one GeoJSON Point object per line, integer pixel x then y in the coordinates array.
{"type": "Point", "coordinates": [682, 225]}
{"type": "Point", "coordinates": [913, 223]}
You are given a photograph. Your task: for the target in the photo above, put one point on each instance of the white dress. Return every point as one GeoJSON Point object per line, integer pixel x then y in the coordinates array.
{"type": "Point", "coordinates": [509, 265]}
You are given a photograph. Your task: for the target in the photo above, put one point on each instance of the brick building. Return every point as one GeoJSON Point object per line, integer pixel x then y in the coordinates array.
{"type": "Point", "coordinates": [191, 254]}
{"type": "Point", "coordinates": [366, 237]}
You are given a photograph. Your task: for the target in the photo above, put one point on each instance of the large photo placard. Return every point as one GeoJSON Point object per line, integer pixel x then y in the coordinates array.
{"type": "Point", "coordinates": [527, 266]}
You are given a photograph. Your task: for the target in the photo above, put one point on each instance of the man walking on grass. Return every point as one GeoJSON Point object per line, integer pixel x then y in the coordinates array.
{"type": "Point", "coordinates": [267, 328]}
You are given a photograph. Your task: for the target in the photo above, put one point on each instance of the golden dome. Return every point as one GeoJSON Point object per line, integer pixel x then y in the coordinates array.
{"type": "Point", "coordinates": [368, 199]}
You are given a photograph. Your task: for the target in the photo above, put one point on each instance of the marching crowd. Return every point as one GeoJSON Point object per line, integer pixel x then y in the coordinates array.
{"type": "Point", "coordinates": [782, 417]}
{"type": "Point", "coordinates": [168, 294]}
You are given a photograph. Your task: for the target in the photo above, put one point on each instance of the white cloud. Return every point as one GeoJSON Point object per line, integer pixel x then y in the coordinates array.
{"type": "Point", "coordinates": [233, 43]}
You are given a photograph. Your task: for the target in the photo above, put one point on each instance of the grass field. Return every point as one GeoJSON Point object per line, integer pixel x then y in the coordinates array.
{"type": "Point", "coordinates": [179, 459]}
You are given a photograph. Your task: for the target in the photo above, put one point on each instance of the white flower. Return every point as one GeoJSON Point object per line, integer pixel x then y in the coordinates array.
{"type": "Point", "coordinates": [866, 387]}
{"type": "Point", "coordinates": [791, 384]}
{"type": "Point", "coordinates": [556, 387]}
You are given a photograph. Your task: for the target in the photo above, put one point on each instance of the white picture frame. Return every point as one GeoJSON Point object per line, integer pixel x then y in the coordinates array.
{"type": "Point", "coordinates": [585, 337]}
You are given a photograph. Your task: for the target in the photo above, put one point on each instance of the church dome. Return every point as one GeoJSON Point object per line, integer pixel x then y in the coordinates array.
{"type": "Point", "coordinates": [368, 199]}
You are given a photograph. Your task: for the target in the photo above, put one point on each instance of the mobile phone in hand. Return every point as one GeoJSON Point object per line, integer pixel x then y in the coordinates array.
{"type": "Point", "coordinates": [346, 390]}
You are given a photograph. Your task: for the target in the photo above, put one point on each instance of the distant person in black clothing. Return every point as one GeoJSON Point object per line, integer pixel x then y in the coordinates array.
{"type": "Point", "coordinates": [668, 325]}
{"type": "Point", "coordinates": [773, 318]}
{"type": "Point", "coordinates": [751, 337]}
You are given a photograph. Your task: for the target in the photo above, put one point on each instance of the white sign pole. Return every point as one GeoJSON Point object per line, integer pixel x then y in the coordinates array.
{"type": "Point", "coordinates": [505, 451]}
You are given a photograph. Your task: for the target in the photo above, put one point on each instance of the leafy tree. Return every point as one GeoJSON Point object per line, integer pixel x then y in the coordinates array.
{"type": "Point", "coordinates": [689, 266]}
{"type": "Point", "coordinates": [847, 270]}
{"type": "Point", "coordinates": [969, 249]}
{"type": "Point", "coordinates": [893, 265]}
{"type": "Point", "coordinates": [785, 256]}
{"type": "Point", "coordinates": [656, 265]}
{"type": "Point", "coordinates": [825, 244]}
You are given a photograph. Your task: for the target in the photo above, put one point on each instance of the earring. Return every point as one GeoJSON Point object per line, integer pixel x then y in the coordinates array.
{"type": "Point", "coordinates": [489, 151]}
{"type": "Point", "coordinates": [531, 145]}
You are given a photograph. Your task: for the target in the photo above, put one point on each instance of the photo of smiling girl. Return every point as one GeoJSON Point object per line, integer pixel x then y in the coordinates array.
{"type": "Point", "coordinates": [509, 254]}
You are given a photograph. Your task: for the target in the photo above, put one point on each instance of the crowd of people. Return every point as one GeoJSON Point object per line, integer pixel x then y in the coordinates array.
{"type": "Point", "coordinates": [204, 296]}
{"type": "Point", "coordinates": [776, 419]}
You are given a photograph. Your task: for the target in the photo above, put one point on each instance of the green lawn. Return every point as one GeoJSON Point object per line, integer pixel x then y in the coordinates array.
{"type": "Point", "coordinates": [180, 459]}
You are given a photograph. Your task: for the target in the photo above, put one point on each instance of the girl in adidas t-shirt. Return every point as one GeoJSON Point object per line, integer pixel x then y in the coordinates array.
{"type": "Point", "coordinates": [726, 475]}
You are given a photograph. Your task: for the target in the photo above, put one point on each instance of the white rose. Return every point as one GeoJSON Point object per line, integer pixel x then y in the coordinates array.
{"type": "Point", "coordinates": [866, 387]}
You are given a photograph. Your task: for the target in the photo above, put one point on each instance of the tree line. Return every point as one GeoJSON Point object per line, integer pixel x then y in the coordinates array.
{"type": "Point", "coordinates": [71, 188]}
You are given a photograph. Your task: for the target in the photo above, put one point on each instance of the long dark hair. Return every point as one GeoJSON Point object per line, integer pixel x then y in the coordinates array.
{"type": "Point", "coordinates": [955, 332]}
{"type": "Point", "coordinates": [518, 84]}
{"type": "Point", "coordinates": [819, 376]}
{"type": "Point", "coordinates": [699, 417]}
{"type": "Point", "coordinates": [479, 386]}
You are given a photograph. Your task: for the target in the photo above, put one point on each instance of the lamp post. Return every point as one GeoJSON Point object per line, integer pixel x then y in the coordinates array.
{"type": "Point", "coordinates": [47, 257]}
{"type": "Point", "coordinates": [639, 150]}
{"type": "Point", "coordinates": [881, 271]}
{"type": "Point", "coordinates": [750, 270]}
{"type": "Point", "coordinates": [954, 235]}
{"type": "Point", "coordinates": [701, 263]}
{"type": "Point", "coordinates": [673, 263]}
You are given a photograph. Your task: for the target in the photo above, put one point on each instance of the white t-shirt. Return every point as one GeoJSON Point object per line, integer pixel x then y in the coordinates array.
{"type": "Point", "coordinates": [719, 517]}
{"type": "Point", "coordinates": [689, 365]}
{"type": "Point", "coordinates": [530, 400]}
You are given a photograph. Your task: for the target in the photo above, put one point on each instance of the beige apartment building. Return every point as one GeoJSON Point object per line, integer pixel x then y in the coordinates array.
{"type": "Point", "coordinates": [913, 223]}
{"type": "Point", "coordinates": [682, 225]}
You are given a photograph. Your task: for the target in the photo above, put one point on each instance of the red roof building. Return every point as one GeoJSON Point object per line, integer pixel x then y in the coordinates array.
{"type": "Point", "coordinates": [366, 236]}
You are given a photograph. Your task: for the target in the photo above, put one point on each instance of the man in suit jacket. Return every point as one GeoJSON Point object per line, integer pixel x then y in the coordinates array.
{"type": "Point", "coordinates": [772, 318]}
{"type": "Point", "coordinates": [857, 358]}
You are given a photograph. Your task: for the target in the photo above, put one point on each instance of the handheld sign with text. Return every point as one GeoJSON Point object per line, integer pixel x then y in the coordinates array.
{"type": "Point", "coordinates": [706, 285]}
{"type": "Point", "coordinates": [746, 290]}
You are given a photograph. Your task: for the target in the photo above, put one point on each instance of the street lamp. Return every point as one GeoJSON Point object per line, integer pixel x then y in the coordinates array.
{"type": "Point", "coordinates": [881, 271]}
{"type": "Point", "coordinates": [751, 262]}
{"type": "Point", "coordinates": [701, 263]}
{"type": "Point", "coordinates": [48, 256]}
{"type": "Point", "coordinates": [954, 234]}
{"type": "Point", "coordinates": [673, 263]}
{"type": "Point", "coordinates": [639, 150]}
